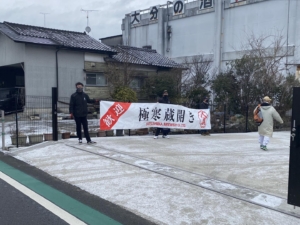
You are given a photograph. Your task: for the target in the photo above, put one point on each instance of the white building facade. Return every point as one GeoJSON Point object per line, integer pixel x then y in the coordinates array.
{"type": "Point", "coordinates": [217, 28]}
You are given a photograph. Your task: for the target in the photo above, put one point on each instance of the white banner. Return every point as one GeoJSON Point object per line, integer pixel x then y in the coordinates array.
{"type": "Point", "coordinates": [120, 115]}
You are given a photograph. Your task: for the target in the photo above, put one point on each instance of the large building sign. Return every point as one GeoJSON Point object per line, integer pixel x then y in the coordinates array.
{"type": "Point", "coordinates": [154, 12]}
{"type": "Point", "coordinates": [135, 17]}
{"type": "Point", "coordinates": [205, 4]}
{"type": "Point", "coordinates": [178, 7]}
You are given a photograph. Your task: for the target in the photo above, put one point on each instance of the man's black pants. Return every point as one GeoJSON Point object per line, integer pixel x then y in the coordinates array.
{"type": "Point", "coordinates": [163, 130]}
{"type": "Point", "coordinates": [84, 122]}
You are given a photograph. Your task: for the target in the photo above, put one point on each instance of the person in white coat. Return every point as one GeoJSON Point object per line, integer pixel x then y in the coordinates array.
{"type": "Point", "coordinates": [265, 130]}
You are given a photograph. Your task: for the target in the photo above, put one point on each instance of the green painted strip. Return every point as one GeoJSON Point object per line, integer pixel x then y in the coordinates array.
{"type": "Point", "coordinates": [72, 206]}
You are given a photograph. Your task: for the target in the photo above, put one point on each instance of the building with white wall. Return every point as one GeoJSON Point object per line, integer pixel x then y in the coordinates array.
{"type": "Point", "coordinates": [37, 58]}
{"type": "Point", "coordinates": [217, 28]}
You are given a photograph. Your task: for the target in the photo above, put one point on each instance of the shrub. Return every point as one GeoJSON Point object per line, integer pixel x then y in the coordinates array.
{"type": "Point", "coordinates": [124, 94]}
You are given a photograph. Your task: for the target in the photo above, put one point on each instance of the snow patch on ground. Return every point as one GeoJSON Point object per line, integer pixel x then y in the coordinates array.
{"type": "Point", "coordinates": [267, 200]}
{"type": "Point", "coordinates": [169, 201]}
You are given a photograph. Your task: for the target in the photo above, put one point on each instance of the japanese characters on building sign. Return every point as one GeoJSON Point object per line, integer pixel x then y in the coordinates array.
{"type": "Point", "coordinates": [118, 115]}
{"type": "Point", "coordinates": [135, 17]}
{"type": "Point", "coordinates": [154, 12]}
{"type": "Point", "coordinates": [178, 7]}
{"type": "Point", "coordinates": [205, 4]}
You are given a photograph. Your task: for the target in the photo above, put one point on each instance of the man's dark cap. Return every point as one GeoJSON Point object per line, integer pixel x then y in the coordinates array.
{"type": "Point", "coordinates": [78, 83]}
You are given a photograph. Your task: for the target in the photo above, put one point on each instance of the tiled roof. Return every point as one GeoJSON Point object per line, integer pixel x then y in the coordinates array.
{"type": "Point", "coordinates": [47, 36]}
{"type": "Point", "coordinates": [143, 56]}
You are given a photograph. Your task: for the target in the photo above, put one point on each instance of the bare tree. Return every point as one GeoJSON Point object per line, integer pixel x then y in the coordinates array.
{"type": "Point", "coordinates": [167, 79]}
{"type": "Point", "coordinates": [119, 71]}
{"type": "Point", "coordinates": [197, 78]}
{"type": "Point", "coordinates": [261, 69]}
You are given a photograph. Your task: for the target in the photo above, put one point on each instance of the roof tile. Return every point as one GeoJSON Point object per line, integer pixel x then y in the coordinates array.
{"type": "Point", "coordinates": [143, 56]}
{"type": "Point", "coordinates": [47, 36]}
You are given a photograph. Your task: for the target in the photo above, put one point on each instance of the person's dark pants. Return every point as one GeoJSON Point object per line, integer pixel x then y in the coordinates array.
{"type": "Point", "coordinates": [164, 131]}
{"type": "Point", "coordinates": [84, 122]}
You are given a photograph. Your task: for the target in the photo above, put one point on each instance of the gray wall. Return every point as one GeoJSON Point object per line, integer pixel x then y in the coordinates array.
{"type": "Point", "coordinates": [220, 31]}
{"type": "Point", "coordinates": [40, 70]}
{"type": "Point", "coordinates": [71, 65]}
{"type": "Point", "coordinates": [112, 41]}
{"type": "Point", "coordinates": [10, 52]}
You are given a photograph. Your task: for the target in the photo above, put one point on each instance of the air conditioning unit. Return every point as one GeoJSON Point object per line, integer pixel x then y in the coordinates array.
{"type": "Point", "coordinates": [93, 64]}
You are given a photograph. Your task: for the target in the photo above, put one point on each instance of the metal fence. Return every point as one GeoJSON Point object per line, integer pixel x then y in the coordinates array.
{"type": "Point", "coordinates": [36, 119]}
{"type": "Point", "coordinates": [223, 120]}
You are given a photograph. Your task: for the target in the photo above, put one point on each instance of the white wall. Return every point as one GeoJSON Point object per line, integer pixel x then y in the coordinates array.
{"type": "Point", "coordinates": [10, 52]}
{"type": "Point", "coordinates": [220, 31]}
{"type": "Point", "coordinates": [192, 36]}
{"type": "Point", "coordinates": [71, 65]}
{"type": "Point", "coordinates": [92, 57]}
{"type": "Point", "coordinates": [40, 70]}
{"type": "Point", "coordinates": [263, 18]}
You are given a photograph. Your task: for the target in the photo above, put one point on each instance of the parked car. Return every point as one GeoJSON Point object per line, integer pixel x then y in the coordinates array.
{"type": "Point", "coordinates": [8, 98]}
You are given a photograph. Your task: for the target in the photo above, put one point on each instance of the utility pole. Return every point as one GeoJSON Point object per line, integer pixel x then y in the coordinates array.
{"type": "Point", "coordinates": [87, 29]}
{"type": "Point", "coordinates": [44, 17]}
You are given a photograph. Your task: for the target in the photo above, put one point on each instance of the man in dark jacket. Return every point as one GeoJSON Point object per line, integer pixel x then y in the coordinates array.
{"type": "Point", "coordinates": [204, 105]}
{"type": "Point", "coordinates": [78, 110]}
{"type": "Point", "coordinates": [165, 131]}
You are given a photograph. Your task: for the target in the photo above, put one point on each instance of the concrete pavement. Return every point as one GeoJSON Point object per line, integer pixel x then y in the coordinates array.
{"type": "Point", "coordinates": [187, 179]}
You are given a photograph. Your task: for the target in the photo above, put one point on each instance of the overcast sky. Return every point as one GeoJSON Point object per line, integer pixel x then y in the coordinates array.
{"type": "Point", "coordinates": [67, 15]}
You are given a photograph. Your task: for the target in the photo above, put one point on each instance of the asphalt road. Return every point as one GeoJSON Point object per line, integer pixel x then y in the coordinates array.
{"type": "Point", "coordinates": [18, 209]}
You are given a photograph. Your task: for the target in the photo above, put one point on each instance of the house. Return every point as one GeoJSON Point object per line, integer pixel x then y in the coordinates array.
{"type": "Point", "coordinates": [141, 63]}
{"type": "Point", "coordinates": [38, 58]}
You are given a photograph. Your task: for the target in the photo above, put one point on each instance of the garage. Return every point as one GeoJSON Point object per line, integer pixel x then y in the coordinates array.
{"type": "Point", "coordinates": [12, 87]}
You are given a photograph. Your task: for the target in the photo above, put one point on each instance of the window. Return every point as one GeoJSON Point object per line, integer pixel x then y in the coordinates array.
{"type": "Point", "coordinates": [96, 79]}
{"type": "Point", "coordinates": [136, 83]}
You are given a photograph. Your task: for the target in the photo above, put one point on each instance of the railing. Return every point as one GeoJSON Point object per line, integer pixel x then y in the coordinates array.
{"type": "Point", "coordinates": [224, 120]}
{"type": "Point", "coordinates": [36, 118]}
